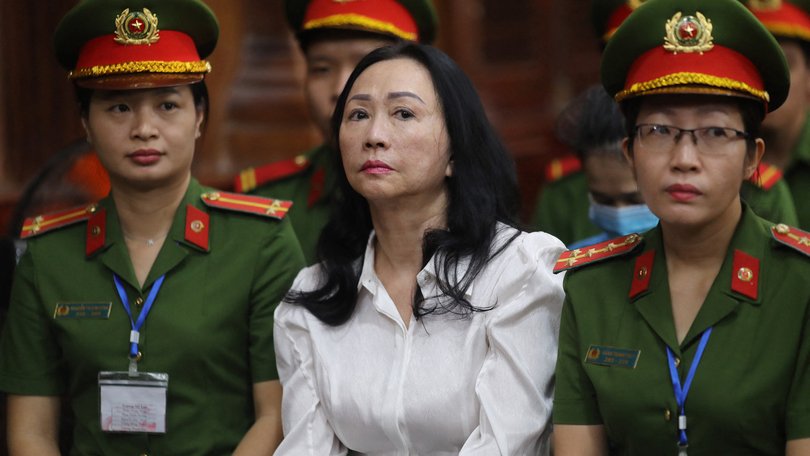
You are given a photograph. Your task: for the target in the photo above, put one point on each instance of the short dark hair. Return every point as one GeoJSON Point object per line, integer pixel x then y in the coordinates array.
{"type": "Point", "coordinates": [592, 123]}
{"type": "Point", "coordinates": [481, 192]}
{"type": "Point", "coordinates": [199, 91]}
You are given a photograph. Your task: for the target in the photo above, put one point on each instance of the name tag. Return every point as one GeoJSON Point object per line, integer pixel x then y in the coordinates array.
{"type": "Point", "coordinates": [68, 310]}
{"type": "Point", "coordinates": [611, 356]}
{"type": "Point", "coordinates": [133, 402]}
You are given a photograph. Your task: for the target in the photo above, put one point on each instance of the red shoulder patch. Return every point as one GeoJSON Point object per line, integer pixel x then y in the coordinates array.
{"type": "Point", "coordinates": [249, 204]}
{"type": "Point", "coordinates": [561, 167]}
{"type": "Point", "coordinates": [792, 237]}
{"type": "Point", "coordinates": [573, 259]}
{"type": "Point", "coordinates": [251, 178]}
{"type": "Point", "coordinates": [766, 176]}
{"type": "Point", "coordinates": [48, 222]}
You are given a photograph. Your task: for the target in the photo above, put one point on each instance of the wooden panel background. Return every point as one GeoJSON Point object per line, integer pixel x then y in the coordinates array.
{"type": "Point", "coordinates": [527, 58]}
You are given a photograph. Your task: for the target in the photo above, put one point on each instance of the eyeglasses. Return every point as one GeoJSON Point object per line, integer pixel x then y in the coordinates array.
{"type": "Point", "coordinates": [708, 140]}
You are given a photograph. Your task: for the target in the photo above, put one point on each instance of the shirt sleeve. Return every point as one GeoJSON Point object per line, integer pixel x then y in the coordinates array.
{"type": "Point", "coordinates": [307, 431]}
{"type": "Point", "coordinates": [798, 412]}
{"type": "Point", "coordinates": [516, 382]}
{"type": "Point", "coordinates": [575, 397]}
{"type": "Point", "coordinates": [279, 260]}
{"type": "Point", "coordinates": [30, 359]}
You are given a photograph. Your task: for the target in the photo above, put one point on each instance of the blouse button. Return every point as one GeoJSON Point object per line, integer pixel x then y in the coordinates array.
{"type": "Point", "coordinates": [667, 415]}
{"type": "Point", "coordinates": [139, 301]}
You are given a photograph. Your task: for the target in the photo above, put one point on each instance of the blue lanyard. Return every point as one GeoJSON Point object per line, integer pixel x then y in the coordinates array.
{"type": "Point", "coordinates": [134, 335]}
{"type": "Point", "coordinates": [680, 393]}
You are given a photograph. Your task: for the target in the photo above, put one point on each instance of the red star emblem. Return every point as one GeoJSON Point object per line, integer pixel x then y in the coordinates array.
{"type": "Point", "coordinates": [688, 31]}
{"type": "Point", "coordinates": [136, 26]}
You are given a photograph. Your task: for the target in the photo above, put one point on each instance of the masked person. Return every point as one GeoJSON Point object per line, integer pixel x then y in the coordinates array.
{"type": "Point", "coordinates": [593, 125]}
{"type": "Point", "coordinates": [333, 36]}
{"type": "Point", "coordinates": [151, 311]}
{"type": "Point", "coordinates": [693, 338]}
{"type": "Point", "coordinates": [563, 207]}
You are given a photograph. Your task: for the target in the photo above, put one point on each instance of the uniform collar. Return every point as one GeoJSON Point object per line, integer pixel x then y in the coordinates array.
{"type": "Point", "coordinates": [750, 240]}
{"type": "Point", "coordinates": [113, 252]}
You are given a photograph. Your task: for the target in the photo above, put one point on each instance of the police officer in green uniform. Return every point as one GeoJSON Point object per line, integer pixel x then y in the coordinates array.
{"type": "Point", "coordinates": [563, 205]}
{"type": "Point", "coordinates": [334, 36]}
{"type": "Point", "coordinates": [693, 339]}
{"type": "Point", "coordinates": [787, 131]}
{"type": "Point", "coordinates": [150, 312]}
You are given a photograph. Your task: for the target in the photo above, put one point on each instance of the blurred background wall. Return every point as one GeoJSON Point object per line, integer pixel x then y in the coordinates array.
{"type": "Point", "coordinates": [526, 57]}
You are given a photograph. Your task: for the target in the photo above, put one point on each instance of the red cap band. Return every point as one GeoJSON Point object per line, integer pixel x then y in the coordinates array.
{"type": "Point", "coordinates": [786, 21]}
{"type": "Point", "coordinates": [721, 68]}
{"type": "Point", "coordinates": [383, 16]}
{"type": "Point", "coordinates": [174, 52]}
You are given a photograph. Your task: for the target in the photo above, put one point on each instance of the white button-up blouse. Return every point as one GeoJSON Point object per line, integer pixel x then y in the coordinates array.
{"type": "Point", "coordinates": [444, 385]}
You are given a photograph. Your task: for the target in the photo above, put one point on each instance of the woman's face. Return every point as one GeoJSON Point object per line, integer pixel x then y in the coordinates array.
{"type": "Point", "coordinates": [688, 184]}
{"type": "Point", "coordinates": [393, 139]}
{"type": "Point", "coordinates": [330, 62]}
{"type": "Point", "coordinates": [144, 138]}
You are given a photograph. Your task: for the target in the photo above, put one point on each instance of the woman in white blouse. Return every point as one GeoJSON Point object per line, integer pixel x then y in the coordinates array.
{"type": "Point", "coordinates": [430, 325]}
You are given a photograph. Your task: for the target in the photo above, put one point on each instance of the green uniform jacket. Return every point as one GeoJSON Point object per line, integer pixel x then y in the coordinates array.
{"type": "Point", "coordinates": [210, 328]}
{"type": "Point", "coordinates": [562, 208]}
{"type": "Point", "coordinates": [751, 390]}
{"type": "Point", "coordinates": [312, 192]}
{"type": "Point", "coordinates": [797, 175]}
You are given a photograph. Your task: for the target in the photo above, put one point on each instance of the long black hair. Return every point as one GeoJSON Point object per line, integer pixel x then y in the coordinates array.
{"type": "Point", "coordinates": [481, 192]}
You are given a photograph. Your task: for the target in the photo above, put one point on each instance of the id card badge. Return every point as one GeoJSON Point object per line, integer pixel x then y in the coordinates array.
{"type": "Point", "coordinates": [133, 402]}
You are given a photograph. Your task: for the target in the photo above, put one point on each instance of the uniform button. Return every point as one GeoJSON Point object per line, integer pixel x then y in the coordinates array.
{"type": "Point", "coordinates": [139, 301]}
{"type": "Point", "coordinates": [144, 454]}
{"type": "Point", "coordinates": [677, 362]}
{"type": "Point", "coordinates": [667, 415]}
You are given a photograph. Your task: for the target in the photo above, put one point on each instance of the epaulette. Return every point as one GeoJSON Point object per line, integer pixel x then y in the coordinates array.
{"type": "Point", "coordinates": [247, 203]}
{"type": "Point", "coordinates": [251, 178]}
{"type": "Point", "coordinates": [792, 237]}
{"type": "Point", "coordinates": [561, 167]}
{"type": "Point", "coordinates": [574, 259]}
{"type": "Point", "coordinates": [48, 222]}
{"type": "Point", "coordinates": [767, 176]}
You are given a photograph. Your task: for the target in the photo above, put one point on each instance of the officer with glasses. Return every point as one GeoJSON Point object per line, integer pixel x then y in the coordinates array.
{"type": "Point", "coordinates": [690, 339]}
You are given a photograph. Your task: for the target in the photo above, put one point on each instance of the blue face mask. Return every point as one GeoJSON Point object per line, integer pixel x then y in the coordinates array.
{"type": "Point", "coordinates": [621, 221]}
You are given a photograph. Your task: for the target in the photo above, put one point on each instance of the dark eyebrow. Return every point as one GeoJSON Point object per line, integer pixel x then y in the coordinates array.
{"type": "Point", "coordinates": [393, 95]}
{"type": "Point", "coordinates": [360, 96]}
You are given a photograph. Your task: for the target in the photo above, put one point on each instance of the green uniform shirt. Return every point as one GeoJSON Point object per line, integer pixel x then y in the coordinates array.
{"type": "Point", "coordinates": [312, 193]}
{"type": "Point", "coordinates": [751, 391]}
{"type": "Point", "coordinates": [797, 175]}
{"type": "Point", "coordinates": [210, 328]}
{"type": "Point", "coordinates": [562, 208]}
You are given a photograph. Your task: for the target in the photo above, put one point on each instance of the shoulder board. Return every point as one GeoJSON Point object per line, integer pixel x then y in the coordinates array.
{"type": "Point", "coordinates": [766, 176]}
{"type": "Point", "coordinates": [577, 258]}
{"type": "Point", "coordinates": [792, 237]}
{"type": "Point", "coordinates": [251, 178]}
{"type": "Point", "coordinates": [248, 204]}
{"type": "Point", "coordinates": [40, 224]}
{"type": "Point", "coordinates": [561, 167]}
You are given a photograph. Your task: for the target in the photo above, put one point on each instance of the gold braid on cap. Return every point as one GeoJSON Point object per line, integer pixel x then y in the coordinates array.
{"type": "Point", "coordinates": [342, 20]}
{"type": "Point", "coordinates": [201, 66]}
{"type": "Point", "coordinates": [685, 79]}
{"type": "Point", "coordinates": [785, 29]}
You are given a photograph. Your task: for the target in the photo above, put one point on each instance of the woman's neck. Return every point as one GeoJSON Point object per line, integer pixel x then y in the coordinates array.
{"type": "Point", "coordinates": [400, 229]}
{"type": "Point", "coordinates": [147, 214]}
